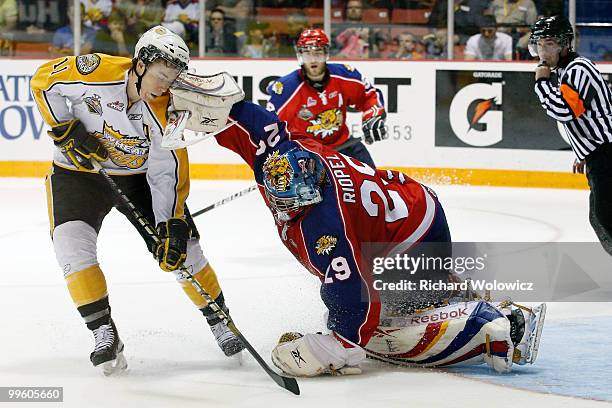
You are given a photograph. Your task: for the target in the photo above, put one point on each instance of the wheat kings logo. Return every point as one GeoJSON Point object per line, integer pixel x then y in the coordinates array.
{"type": "Point", "coordinates": [86, 64]}
{"type": "Point", "coordinates": [93, 104]}
{"type": "Point", "coordinates": [125, 151]}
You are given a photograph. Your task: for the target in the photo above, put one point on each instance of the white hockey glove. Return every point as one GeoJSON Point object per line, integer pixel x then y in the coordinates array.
{"type": "Point", "coordinates": [373, 124]}
{"type": "Point", "coordinates": [200, 108]}
{"type": "Point", "coordinates": [315, 354]}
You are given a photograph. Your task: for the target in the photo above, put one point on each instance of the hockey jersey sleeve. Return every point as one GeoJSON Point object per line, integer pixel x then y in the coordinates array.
{"type": "Point", "coordinates": [168, 171]}
{"type": "Point", "coordinates": [346, 281]}
{"type": "Point", "coordinates": [281, 92]}
{"type": "Point", "coordinates": [570, 99]}
{"type": "Point", "coordinates": [59, 82]}
{"type": "Point", "coordinates": [254, 131]}
{"type": "Point", "coordinates": [362, 95]}
{"type": "Point", "coordinates": [48, 94]}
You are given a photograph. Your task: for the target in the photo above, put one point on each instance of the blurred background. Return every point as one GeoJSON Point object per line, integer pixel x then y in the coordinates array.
{"type": "Point", "coordinates": [360, 29]}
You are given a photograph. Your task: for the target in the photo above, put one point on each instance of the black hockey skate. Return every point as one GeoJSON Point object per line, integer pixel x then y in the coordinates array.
{"type": "Point", "coordinates": [108, 350]}
{"type": "Point", "coordinates": [227, 341]}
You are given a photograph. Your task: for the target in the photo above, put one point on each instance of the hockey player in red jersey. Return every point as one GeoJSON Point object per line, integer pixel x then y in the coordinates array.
{"type": "Point", "coordinates": [313, 100]}
{"type": "Point", "coordinates": [337, 216]}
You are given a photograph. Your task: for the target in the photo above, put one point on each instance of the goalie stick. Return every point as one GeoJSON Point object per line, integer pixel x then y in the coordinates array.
{"type": "Point", "coordinates": [148, 233]}
{"type": "Point", "coordinates": [349, 143]}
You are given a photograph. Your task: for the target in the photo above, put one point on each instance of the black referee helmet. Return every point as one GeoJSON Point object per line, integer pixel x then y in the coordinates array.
{"type": "Point", "coordinates": [555, 27]}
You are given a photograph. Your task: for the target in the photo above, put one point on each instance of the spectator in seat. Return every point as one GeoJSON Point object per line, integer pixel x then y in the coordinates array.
{"type": "Point", "coordinates": [115, 40]}
{"type": "Point", "coordinates": [143, 14]}
{"type": "Point", "coordinates": [354, 39]}
{"type": "Point", "coordinates": [408, 48]}
{"type": "Point", "coordinates": [8, 21]}
{"type": "Point", "coordinates": [256, 45]}
{"type": "Point", "coordinates": [435, 43]}
{"type": "Point", "coordinates": [489, 44]}
{"type": "Point", "coordinates": [467, 15]}
{"type": "Point", "coordinates": [237, 11]}
{"type": "Point", "coordinates": [510, 13]}
{"type": "Point", "coordinates": [515, 17]}
{"type": "Point", "coordinates": [219, 39]}
{"type": "Point", "coordinates": [182, 17]}
{"type": "Point", "coordinates": [96, 13]}
{"type": "Point", "coordinates": [8, 14]}
{"type": "Point", "coordinates": [63, 38]}
{"type": "Point", "coordinates": [285, 42]}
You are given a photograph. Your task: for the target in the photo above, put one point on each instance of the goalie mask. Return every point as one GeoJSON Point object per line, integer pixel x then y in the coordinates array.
{"type": "Point", "coordinates": [292, 180]}
{"type": "Point", "coordinates": [549, 35]}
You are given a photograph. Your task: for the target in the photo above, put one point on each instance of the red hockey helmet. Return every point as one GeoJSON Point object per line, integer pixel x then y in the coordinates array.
{"type": "Point", "coordinates": [313, 38]}
{"type": "Point", "coordinates": [312, 46]}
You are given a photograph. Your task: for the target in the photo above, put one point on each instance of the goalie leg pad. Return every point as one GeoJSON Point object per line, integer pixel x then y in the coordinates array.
{"type": "Point", "coordinates": [463, 333]}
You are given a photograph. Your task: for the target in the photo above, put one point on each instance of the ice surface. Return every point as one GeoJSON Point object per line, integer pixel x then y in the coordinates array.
{"type": "Point", "coordinates": [173, 358]}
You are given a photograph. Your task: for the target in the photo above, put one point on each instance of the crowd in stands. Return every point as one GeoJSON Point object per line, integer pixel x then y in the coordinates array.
{"type": "Point", "coordinates": [395, 29]}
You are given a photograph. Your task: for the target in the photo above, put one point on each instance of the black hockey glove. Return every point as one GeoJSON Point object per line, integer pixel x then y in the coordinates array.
{"type": "Point", "coordinates": [77, 145]}
{"type": "Point", "coordinates": [172, 250]}
{"type": "Point", "coordinates": [374, 127]}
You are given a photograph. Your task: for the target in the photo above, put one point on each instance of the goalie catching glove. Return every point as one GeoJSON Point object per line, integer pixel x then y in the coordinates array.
{"type": "Point", "coordinates": [200, 104]}
{"type": "Point", "coordinates": [172, 250]}
{"type": "Point", "coordinates": [373, 124]}
{"type": "Point", "coordinates": [316, 354]}
{"type": "Point", "coordinates": [77, 144]}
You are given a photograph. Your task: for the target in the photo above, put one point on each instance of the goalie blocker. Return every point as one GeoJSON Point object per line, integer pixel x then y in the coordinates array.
{"type": "Point", "coordinates": [465, 333]}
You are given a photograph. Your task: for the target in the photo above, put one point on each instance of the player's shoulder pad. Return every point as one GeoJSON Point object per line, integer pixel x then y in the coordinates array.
{"type": "Point", "coordinates": [284, 86]}
{"type": "Point", "coordinates": [158, 109]}
{"type": "Point", "coordinates": [345, 71]}
{"type": "Point", "coordinates": [89, 68]}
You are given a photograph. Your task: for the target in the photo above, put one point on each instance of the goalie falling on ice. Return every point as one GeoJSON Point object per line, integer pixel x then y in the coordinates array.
{"type": "Point", "coordinates": [325, 206]}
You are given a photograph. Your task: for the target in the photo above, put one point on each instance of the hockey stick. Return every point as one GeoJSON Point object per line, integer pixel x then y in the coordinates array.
{"type": "Point", "coordinates": [351, 142]}
{"type": "Point", "coordinates": [225, 200]}
{"type": "Point", "coordinates": [147, 231]}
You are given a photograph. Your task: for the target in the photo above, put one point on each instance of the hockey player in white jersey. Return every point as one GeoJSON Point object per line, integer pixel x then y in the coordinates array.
{"type": "Point", "coordinates": [113, 110]}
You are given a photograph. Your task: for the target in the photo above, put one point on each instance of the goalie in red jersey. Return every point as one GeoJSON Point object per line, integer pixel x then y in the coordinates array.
{"type": "Point", "coordinates": [339, 217]}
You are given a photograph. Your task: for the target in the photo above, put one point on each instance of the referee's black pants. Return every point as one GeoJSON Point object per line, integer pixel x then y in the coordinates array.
{"type": "Point", "coordinates": [599, 174]}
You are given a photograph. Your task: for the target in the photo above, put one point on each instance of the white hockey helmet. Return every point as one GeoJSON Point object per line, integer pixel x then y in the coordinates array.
{"type": "Point", "coordinates": [160, 42]}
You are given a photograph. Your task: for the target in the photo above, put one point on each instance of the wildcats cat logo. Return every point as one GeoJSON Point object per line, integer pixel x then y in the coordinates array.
{"type": "Point", "coordinates": [325, 244]}
{"type": "Point", "coordinates": [124, 151]}
{"type": "Point", "coordinates": [278, 171]}
{"type": "Point", "coordinates": [326, 123]}
{"type": "Point", "coordinates": [277, 87]}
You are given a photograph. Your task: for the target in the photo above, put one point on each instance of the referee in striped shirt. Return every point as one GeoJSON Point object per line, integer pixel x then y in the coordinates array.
{"type": "Point", "coordinates": [581, 100]}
